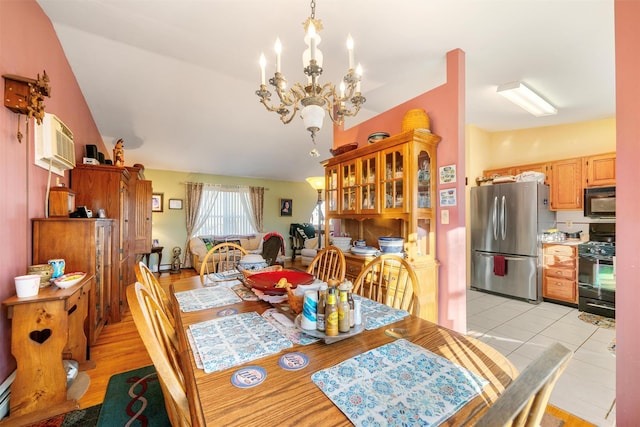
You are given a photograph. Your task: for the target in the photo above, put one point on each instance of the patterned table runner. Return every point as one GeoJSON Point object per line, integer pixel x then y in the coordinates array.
{"type": "Point", "coordinates": [378, 315]}
{"type": "Point", "coordinates": [201, 299]}
{"type": "Point", "coordinates": [399, 383]}
{"type": "Point", "coordinates": [233, 340]}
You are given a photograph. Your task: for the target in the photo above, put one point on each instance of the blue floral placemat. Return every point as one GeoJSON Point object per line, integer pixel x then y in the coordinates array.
{"type": "Point", "coordinates": [378, 314]}
{"type": "Point", "coordinates": [203, 298]}
{"type": "Point", "coordinates": [233, 340]}
{"type": "Point", "coordinates": [294, 334]}
{"type": "Point", "coordinates": [398, 384]}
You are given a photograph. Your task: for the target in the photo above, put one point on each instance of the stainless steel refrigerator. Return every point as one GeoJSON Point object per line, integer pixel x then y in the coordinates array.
{"type": "Point", "coordinates": [506, 220]}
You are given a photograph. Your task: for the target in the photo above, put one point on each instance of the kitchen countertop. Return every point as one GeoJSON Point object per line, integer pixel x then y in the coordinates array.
{"type": "Point", "coordinates": [566, 242]}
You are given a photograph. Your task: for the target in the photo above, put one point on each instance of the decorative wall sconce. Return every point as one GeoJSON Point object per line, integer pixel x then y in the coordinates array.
{"type": "Point", "coordinates": [23, 95]}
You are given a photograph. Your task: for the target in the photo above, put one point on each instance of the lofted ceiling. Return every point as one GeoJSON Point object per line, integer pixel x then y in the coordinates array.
{"type": "Point", "coordinates": [176, 79]}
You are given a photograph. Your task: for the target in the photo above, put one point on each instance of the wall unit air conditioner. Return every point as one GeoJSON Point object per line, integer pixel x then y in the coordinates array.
{"type": "Point", "coordinates": [54, 146]}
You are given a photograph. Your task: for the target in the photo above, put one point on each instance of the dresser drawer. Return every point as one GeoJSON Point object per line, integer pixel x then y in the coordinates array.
{"type": "Point", "coordinates": [560, 273]}
{"type": "Point", "coordinates": [559, 289]}
{"type": "Point", "coordinates": [559, 261]}
{"type": "Point", "coordinates": [563, 250]}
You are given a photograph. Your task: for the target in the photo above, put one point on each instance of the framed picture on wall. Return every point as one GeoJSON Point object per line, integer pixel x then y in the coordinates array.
{"type": "Point", "coordinates": [286, 207]}
{"type": "Point", "coordinates": [175, 203]}
{"type": "Point", "coordinates": [157, 202]}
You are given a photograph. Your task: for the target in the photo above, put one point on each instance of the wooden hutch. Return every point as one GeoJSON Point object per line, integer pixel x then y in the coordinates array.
{"type": "Point", "coordinates": [388, 189]}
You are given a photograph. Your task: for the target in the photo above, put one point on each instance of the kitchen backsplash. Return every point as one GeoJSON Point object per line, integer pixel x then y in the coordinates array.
{"type": "Point", "coordinates": [574, 221]}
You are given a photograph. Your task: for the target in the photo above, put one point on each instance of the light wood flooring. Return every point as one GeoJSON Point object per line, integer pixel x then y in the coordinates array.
{"type": "Point", "coordinates": [120, 349]}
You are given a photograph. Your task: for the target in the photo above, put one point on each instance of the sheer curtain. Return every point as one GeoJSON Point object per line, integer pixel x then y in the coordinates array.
{"type": "Point", "coordinates": [202, 201]}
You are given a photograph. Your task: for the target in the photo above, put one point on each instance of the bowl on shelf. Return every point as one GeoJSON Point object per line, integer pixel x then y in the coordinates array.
{"type": "Point", "coordinates": [342, 243]}
{"type": "Point", "coordinates": [68, 280]}
{"type": "Point", "coordinates": [391, 245]}
{"type": "Point", "coordinates": [377, 136]}
{"type": "Point", "coordinates": [343, 149]}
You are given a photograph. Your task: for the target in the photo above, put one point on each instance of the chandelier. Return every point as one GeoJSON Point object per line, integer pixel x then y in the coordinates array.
{"type": "Point", "coordinates": [313, 97]}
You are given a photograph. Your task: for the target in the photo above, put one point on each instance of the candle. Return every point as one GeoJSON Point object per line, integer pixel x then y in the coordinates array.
{"type": "Point", "coordinates": [342, 89]}
{"type": "Point", "coordinates": [312, 40]}
{"type": "Point", "coordinates": [278, 49]}
{"type": "Point", "coordinates": [359, 73]}
{"type": "Point", "coordinates": [350, 49]}
{"type": "Point", "coordinates": [263, 64]}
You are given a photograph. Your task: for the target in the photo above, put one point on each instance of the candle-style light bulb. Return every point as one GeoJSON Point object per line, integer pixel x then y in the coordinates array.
{"type": "Point", "coordinates": [342, 88]}
{"type": "Point", "coordinates": [278, 48]}
{"type": "Point", "coordinates": [359, 73]}
{"type": "Point", "coordinates": [312, 40]}
{"type": "Point", "coordinates": [350, 50]}
{"type": "Point", "coordinates": [263, 64]}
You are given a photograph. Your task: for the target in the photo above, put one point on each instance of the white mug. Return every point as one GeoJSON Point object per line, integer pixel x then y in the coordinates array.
{"type": "Point", "coordinates": [360, 243]}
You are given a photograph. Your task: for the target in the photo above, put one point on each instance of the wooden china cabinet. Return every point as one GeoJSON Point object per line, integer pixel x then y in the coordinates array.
{"type": "Point", "coordinates": [125, 196]}
{"type": "Point", "coordinates": [386, 189]}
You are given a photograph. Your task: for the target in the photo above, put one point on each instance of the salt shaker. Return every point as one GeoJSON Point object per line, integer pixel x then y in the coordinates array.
{"type": "Point", "coordinates": [357, 311]}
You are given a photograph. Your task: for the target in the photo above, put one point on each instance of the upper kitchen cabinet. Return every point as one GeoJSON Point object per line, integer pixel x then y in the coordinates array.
{"type": "Point", "coordinates": [600, 170]}
{"type": "Point", "coordinates": [566, 184]}
{"type": "Point", "coordinates": [535, 167]}
{"type": "Point", "coordinates": [493, 173]}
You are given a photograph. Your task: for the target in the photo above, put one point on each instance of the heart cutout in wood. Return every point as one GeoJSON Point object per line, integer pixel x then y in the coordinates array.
{"type": "Point", "coordinates": [40, 336]}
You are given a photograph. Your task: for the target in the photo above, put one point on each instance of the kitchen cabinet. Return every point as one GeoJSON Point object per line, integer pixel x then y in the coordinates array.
{"type": "Point", "coordinates": [560, 273]}
{"type": "Point", "coordinates": [386, 189]}
{"type": "Point", "coordinates": [122, 193]}
{"type": "Point", "coordinates": [85, 244]}
{"type": "Point", "coordinates": [566, 184]}
{"type": "Point", "coordinates": [535, 167]}
{"type": "Point", "coordinates": [493, 173]}
{"type": "Point", "coordinates": [599, 170]}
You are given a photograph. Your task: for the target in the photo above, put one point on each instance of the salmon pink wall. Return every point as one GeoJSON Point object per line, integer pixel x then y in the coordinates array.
{"type": "Point", "coordinates": [445, 105]}
{"type": "Point", "coordinates": [29, 45]}
{"type": "Point", "coordinates": [627, 16]}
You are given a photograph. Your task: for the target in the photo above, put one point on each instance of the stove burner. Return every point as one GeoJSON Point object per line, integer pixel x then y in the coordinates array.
{"type": "Point", "coordinates": [597, 250]}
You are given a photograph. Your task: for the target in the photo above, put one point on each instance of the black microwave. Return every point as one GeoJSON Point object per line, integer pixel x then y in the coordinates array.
{"type": "Point", "coordinates": [600, 202]}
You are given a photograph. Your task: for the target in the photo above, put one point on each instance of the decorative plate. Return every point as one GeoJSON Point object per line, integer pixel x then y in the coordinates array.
{"type": "Point", "coordinates": [357, 329]}
{"type": "Point", "coordinates": [364, 250]}
{"type": "Point", "coordinates": [377, 136]}
{"type": "Point", "coordinates": [266, 282]}
{"type": "Point", "coordinates": [69, 279]}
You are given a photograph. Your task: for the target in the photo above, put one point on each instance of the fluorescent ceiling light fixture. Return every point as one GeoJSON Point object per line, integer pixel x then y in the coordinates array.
{"type": "Point", "coordinates": [523, 96]}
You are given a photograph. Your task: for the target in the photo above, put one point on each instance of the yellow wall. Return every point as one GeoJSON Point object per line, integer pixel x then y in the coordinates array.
{"type": "Point", "coordinates": [169, 226]}
{"type": "Point", "coordinates": [551, 143]}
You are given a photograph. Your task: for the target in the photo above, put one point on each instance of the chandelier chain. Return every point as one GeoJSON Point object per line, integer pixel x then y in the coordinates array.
{"type": "Point", "coordinates": [313, 9]}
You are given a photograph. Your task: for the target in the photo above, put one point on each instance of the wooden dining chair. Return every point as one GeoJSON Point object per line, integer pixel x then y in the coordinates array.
{"type": "Point", "coordinates": [150, 282]}
{"type": "Point", "coordinates": [160, 339]}
{"type": "Point", "coordinates": [222, 257]}
{"type": "Point", "coordinates": [524, 401]}
{"type": "Point", "coordinates": [329, 263]}
{"type": "Point", "coordinates": [390, 280]}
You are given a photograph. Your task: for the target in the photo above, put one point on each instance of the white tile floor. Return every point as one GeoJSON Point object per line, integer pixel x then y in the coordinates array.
{"type": "Point", "coordinates": [521, 330]}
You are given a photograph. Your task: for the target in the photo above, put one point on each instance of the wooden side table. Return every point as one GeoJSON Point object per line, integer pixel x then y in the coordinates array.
{"type": "Point", "coordinates": [155, 250]}
{"type": "Point", "coordinates": [45, 329]}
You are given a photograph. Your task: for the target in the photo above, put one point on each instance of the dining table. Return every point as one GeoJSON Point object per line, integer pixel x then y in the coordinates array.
{"type": "Point", "coordinates": [294, 396]}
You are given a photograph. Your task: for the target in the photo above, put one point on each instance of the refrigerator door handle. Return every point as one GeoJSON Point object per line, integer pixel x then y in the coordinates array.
{"type": "Point", "coordinates": [503, 218]}
{"type": "Point", "coordinates": [507, 258]}
{"type": "Point", "coordinates": [494, 218]}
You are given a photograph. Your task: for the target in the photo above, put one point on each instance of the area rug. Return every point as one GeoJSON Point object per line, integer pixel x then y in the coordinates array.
{"type": "Point", "coordinates": [549, 420]}
{"type": "Point", "coordinates": [601, 321]}
{"type": "Point", "coordinates": [134, 398]}
{"type": "Point", "coordinates": [81, 418]}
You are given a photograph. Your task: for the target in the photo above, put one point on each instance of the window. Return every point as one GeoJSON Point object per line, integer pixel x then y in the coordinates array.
{"type": "Point", "coordinates": [225, 211]}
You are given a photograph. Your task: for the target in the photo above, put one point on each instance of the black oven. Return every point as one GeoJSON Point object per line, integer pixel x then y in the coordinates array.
{"type": "Point", "coordinates": [596, 279]}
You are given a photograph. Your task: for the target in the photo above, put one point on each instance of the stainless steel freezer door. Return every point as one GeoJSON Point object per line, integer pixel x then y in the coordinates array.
{"type": "Point", "coordinates": [522, 278]}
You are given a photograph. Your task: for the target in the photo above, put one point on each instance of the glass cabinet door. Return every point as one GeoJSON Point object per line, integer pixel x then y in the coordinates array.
{"type": "Point", "coordinates": [368, 184]}
{"type": "Point", "coordinates": [349, 187]}
{"type": "Point", "coordinates": [332, 189]}
{"type": "Point", "coordinates": [393, 179]}
{"type": "Point", "coordinates": [424, 180]}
